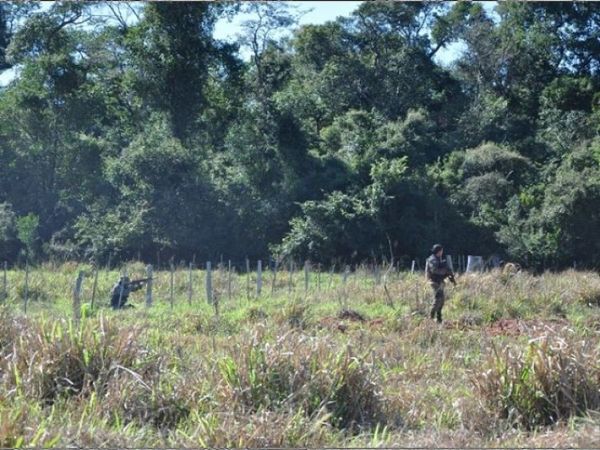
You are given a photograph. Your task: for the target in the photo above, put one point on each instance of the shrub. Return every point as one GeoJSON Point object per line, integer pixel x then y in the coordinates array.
{"type": "Point", "coordinates": [590, 296]}
{"type": "Point", "coordinates": [542, 385]}
{"type": "Point", "coordinates": [35, 292]}
{"type": "Point", "coordinates": [296, 315]}
{"type": "Point", "coordinates": [67, 358]}
{"type": "Point", "coordinates": [7, 328]}
{"type": "Point", "coordinates": [129, 399]}
{"type": "Point", "coordinates": [256, 313]}
{"type": "Point", "coordinates": [308, 374]}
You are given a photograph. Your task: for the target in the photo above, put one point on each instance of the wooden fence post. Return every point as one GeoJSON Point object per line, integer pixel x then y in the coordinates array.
{"type": "Point", "coordinates": [209, 293]}
{"type": "Point", "coordinates": [258, 277]}
{"type": "Point", "coordinates": [77, 297]}
{"type": "Point", "coordinates": [94, 288]}
{"type": "Point", "coordinates": [149, 285]}
{"type": "Point", "coordinates": [290, 270]}
{"type": "Point", "coordinates": [412, 267]}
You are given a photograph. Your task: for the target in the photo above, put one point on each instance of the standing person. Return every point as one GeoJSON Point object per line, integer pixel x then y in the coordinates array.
{"type": "Point", "coordinates": [121, 290]}
{"type": "Point", "coordinates": [437, 271]}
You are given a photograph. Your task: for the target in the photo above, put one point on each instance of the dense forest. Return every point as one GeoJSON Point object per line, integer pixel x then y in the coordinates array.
{"type": "Point", "coordinates": [130, 130]}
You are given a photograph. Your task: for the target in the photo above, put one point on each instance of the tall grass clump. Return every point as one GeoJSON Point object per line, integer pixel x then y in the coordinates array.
{"type": "Point", "coordinates": [547, 382]}
{"type": "Point", "coordinates": [8, 328]}
{"type": "Point", "coordinates": [162, 404]}
{"type": "Point", "coordinates": [57, 358]}
{"type": "Point", "coordinates": [309, 374]}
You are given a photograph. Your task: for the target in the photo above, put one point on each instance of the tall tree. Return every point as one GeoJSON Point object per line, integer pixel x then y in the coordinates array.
{"type": "Point", "coordinates": [171, 50]}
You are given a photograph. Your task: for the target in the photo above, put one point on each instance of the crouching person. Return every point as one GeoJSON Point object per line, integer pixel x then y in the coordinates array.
{"type": "Point", "coordinates": [121, 290]}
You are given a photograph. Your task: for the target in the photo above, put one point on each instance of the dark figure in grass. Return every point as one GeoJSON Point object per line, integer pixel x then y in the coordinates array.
{"type": "Point", "coordinates": [120, 292]}
{"type": "Point", "coordinates": [437, 271]}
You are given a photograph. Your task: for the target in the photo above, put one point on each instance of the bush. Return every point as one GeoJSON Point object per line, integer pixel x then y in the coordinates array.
{"type": "Point", "coordinates": [68, 359]}
{"type": "Point", "coordinates": [546, 383]}
{"type": "Point", "coordinates": [130, 400]}
{"type": "Point", "coordinates": [589, 296]}
{"type": "Point", "coordinates": [8, 328]}
{"type": "Point", "coordinates": [305, 374]}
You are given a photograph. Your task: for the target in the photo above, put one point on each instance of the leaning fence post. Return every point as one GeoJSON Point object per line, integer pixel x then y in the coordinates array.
{"type": "Point", "coordinates": [26, 297]}
{"type": "Point", "coordinates": [94, 287]}
{"type": "Point", "coordinates": [149, 285]}
{"type": "Point", "coordinates": [209, 293]}
{"type": "Point", "coordinates": [412, 267]}
{"type": "Point", "coordinates": [258, 277]}
{"type": "Point", "coordinates": [5, 283]}
{"type": "Point", "coordinates": [290, 268]}
{"type": "Point", "coordinates": [77, 297]}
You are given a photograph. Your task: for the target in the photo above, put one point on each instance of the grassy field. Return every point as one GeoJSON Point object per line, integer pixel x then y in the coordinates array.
{"type": "Point", "coordinates": [516, 363]}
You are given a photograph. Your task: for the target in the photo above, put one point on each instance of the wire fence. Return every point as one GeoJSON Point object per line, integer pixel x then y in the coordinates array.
{"type": "Point", "coordinates": [212, 283]}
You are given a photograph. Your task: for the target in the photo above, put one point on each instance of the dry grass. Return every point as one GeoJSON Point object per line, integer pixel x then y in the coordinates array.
{"type": "Point", "coordinates": [48, 359]}
{"type": "Point", "coordinates": [517, 364]}
{"type": "Point", "coordinates": [552, 379]}
{"type": "Point", "coordinates": [304, 374]}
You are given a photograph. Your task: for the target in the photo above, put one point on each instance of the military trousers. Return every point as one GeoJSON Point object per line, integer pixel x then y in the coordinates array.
{"type": "Point", "coordinates": [438, 300]}
{"type": "Point", "coordinates": [118, 301]}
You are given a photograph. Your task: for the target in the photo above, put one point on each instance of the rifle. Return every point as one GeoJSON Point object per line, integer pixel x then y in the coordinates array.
{"type": "Point", "coordinates": [139, 281]}
{"type": "Point", "coordinates": [450, 276]}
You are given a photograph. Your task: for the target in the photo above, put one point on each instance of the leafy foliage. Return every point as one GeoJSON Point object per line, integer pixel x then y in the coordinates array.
{"type": "Point", "coordinates": [140, 133]}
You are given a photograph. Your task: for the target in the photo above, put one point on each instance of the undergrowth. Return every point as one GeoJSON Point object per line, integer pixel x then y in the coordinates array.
{"type": "Point", "coordinates": [515, 363]}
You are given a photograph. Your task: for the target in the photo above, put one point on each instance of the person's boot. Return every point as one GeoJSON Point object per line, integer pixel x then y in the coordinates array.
{"type": "Point", "coordinates": [439, 317]}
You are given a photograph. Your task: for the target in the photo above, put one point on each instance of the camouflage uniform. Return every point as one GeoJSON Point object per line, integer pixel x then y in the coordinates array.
{"type": "Point", "coordinates": [120, 293]}
{"type": "Point", "coordinates": [437, 271]}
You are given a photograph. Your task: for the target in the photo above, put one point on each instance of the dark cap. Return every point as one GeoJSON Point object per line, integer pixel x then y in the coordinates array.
{"type": "Point", "coordinates": [436, 248]}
